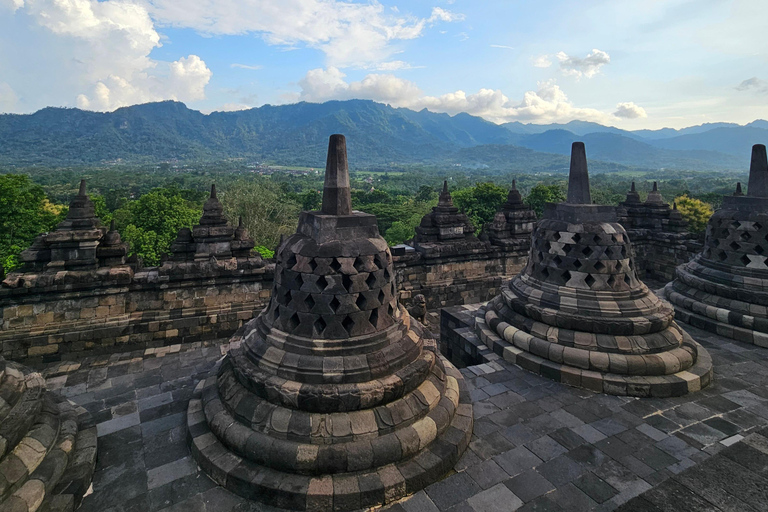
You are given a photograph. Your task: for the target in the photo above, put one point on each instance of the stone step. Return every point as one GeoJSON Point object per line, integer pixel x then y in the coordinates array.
{"type": "Point", "coordinates": [12, 385]}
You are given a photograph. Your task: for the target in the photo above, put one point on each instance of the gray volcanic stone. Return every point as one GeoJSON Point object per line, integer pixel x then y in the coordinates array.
{"type": "Point", "coordinates": [579, 314]}
{"type": "Point", "coordinates": [336, 398]}
{"type": "Point", "coordinates": [723, 288]}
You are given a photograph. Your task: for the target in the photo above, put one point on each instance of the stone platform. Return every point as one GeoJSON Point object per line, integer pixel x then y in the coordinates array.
{"type": "Point", "coordinates": [537, 444]}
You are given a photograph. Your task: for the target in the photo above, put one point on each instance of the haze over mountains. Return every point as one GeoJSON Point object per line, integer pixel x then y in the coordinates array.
{"type": "Point", "coordinates": [378, 135]}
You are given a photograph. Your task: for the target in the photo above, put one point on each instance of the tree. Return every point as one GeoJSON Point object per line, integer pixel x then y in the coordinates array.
{"type": "Point", "coordinates": [25, 212]}
{"type": "Point", "coordinates": [480, 202]}
{"type": "Point", "coordinates": [542, 194]}
{"type": "Point", "coordinates": [695, 211]}
{"type": "Point", "coordinates": [152, 222]}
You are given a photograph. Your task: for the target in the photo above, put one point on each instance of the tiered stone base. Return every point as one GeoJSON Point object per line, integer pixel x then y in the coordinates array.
{"type": "Point", "coordinates": [354, 460]}
{"type": "Point", "coordinates": [701, 299]}
{"type": "Point", "coordinates": [575, 369]}
{"type": "Point", "coordinates": [47, 458]}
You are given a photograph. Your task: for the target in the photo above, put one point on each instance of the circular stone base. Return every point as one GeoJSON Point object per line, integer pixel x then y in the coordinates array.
{"type": "Point", "coordinates": [693, 379]}
{"type": "Point", "coordinates": [342, 491]}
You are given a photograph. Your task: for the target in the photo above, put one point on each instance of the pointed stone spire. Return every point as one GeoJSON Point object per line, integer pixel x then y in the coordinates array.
{"type": "Point", "coordinates": [337, 199]}
{"type": "Point", "coordinates": [578, 179]}
{"type": "Point", "coordinates": [632, 196]}
{"type": "Point", "coordinates": [632, 189]}
{"type": "Point", "coordinates": [655, 187]}
{"type": "Point", "coordinates": [758, 172]}
{"type": "Point", "coordinates": [445, 197]}
{"type": "Point", "coordinates": [213, 191]}
{"type": "Point", "coordinates": [654, 196]}
{"type": "Point", "coordinates": [738, 190]}
{"type": "Point", "coordinates": [514, 199]}
{"type": "Point", "coordinates": [81, 192]}
{"type": "Point", "coordinates": [213, 212]}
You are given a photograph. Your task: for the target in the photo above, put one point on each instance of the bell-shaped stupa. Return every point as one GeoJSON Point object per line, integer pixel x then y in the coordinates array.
{"type": "Point", "coordinates": [724, 289]}
{"type": "Point", "coordinates": [513, 224]}
{"type": "Point", "coordinates": [336, 399]}
{"type": "Point", "coordinates": [579, 314]}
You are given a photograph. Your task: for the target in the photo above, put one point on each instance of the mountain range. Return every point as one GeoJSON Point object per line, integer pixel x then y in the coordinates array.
{"type": "Point", "coordinates": [377, 134]}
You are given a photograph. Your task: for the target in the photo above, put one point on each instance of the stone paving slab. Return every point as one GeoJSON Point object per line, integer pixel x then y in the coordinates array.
{"type": "Point", "coordinates": [537, 444]}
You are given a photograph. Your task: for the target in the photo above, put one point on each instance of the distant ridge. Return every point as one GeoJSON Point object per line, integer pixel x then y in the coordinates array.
{"type": "Point", "coordinates": [378, 135]}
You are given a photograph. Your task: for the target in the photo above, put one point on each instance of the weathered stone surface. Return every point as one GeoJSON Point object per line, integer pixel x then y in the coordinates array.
{"type": "Point", "coordinates": [578, 312]}
{"type": "Point", "coordinates": [723, 288]}
{"type": "Point", "coordinates": [334, 378]}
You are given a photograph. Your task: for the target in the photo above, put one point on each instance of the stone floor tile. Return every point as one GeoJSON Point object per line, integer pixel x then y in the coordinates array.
{"type": "Point", "coordinates": [496, 499]}
{"type": "Point", "coordinates": [595, 487]}
{"type": "Point", "coordinates": [517, 460]}
{"type": "Point", "coordinates": [419, 502]}
{"type": "Point", "coordinates": [117, 424]}
{"type": "Point", "coordinates": [546, 448]}
{"type": "Point", "coordinates": [561, 470]}
{"type": "Point", "coordinates": [167, 473]}
{"type": "Point", "coordinates": [529, 485]}
{"type": "Point", "coordinates": [487, 474]}
{"type": "Point", "coordinates": [452, 490]}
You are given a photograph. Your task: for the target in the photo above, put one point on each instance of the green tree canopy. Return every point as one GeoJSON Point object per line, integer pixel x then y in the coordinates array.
{"type": "Point", "coordinates": [152, 222]}
{"type": "Point", "coordinates": [25, 212]}
{"type": "Point", "coordinates": [695, 211]}
{"type": "Point", "coordinates": [542, 194]}
{"type": "Point", "coordinates": [480, 202]}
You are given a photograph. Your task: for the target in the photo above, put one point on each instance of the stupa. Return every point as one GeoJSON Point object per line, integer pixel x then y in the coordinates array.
{"type": "Point", "coordinates": [445, 230]}
{"type": "Point", "coordinates": [723, 288]}
{"type": "Point", "coordinates": [47, 447]}
{"type": "Point", "coordinates": [653, 214]}
{"type": "Point", "coordinates": [513, 224]}
{"type": "Point", "coordinates": [335, 399]}
{"type": "Point", "coordinates": [578, 313]}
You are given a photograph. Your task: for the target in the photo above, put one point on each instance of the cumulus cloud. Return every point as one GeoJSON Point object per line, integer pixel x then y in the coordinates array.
{"type": "Point", "coordinates": [754, 84]}
{"type": "Point", "coordinates": [8, 98]}
{"type": "Point", "coordinates": [111, 41]}
{"type": "Point", "coordinates": [350, 34]}
{"type": "Point", "coordinates": [12, 4]}
{"type": "Point", "coordinates": [543, 61]}
{"type": "Point", "coordinates": [629, 110]}
{"type": "Point", "coordinates": [589, 66]}
{"type": "Point", "coordinates": [547, 104]}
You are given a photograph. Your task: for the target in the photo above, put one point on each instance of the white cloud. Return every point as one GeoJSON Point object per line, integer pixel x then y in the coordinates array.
{"type": "Point", "coordinates": [234, 107]}
{"type": "Point", "coordinates": [8, 98]}
{"type": "Point", "coordinates": [245, 66]}
{"type": "Point", "coordinates": [350, 34]}
{"type": "Point", "coordinates": [753, 84]}
{"type": "Point", "coordinates": [395, 65]}
{"type": "Point", "coordinates": [13, 5]}
{"type": "Point", "coordinates": [111, 42]}
{"type": "Point", "coordinates": [629, 110]}
{"type": "Point", "coordinates": [503, 46]}
{"type": "Point", "coordinates": [589, 66]}
{"type": "Point", "coordinates": [547, 104]}
{"type": "Point", "coordinates": [543, 61]}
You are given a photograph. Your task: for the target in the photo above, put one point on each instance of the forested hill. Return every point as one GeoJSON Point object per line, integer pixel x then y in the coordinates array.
{"type": "Point", "coordinates": [378, 135]}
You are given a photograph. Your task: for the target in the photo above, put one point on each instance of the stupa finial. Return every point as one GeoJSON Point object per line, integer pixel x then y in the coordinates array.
{"type": "Point", "coordinates": [632, 188]}
{"type": "Point", "coordinates": [337, 199]}
{"type": "Point", "coordinates": [738, 192]}
{"type": "Point", "coordinates": [213, 191]}
{"type": "Point", "coordinates": [578, 179]}
{"type": "Point", "coordinates": [81, 192]}
{"type": "Point", "coordinates": [758, 172]}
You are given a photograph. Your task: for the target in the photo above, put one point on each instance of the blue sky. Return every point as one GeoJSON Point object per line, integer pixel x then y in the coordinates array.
{"type": "Point", "coordinates": [630, 63]}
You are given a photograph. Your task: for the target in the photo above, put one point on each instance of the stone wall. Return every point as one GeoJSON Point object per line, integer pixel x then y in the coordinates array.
{"type": "Point", "coordinates": [657, 254]}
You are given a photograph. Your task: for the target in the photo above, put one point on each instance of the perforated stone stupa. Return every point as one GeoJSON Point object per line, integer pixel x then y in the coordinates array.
{"type": "Point", "coordinates": [336, 399]}
{"type": "Point", "coordinates": [445, 230]}
{"type": "Point", "coordinates": [723, 289]}
{"type": "Point", "coordinates": [47, 450]}
{"type": "Point", "coordinates": [578, 313]}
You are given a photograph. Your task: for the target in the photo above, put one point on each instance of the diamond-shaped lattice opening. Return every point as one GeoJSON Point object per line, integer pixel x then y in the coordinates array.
{"type": "Point", "coordinates": [567, 248]}
{"type": "Point", "coordinates": [596, 239]}
{"type": "Point", "coordinates": [346, 282]}
{"type": "Point", "coordinates": [556, 236]}
{"type": "Point", "coordinates": [284, 298]}
{"type": "Point", "coordinates": [599, 266]}
{"type": "Point", "coordinates": [298, 280]}
{"type": "Point", "coordinates": [348, 324]}
{"type": "Point", "coordinates": [547, 246]}
{"type": "Point", "coordinates": [758, 226]}
{"type": "Point", "coordinates": [382, 296]}
{"type": "Point", "coordinates": [378, 261]}
{"type": "Point", "coordinates": [545, 272]}
{"type": "Point", "coordinates": [576, 238]}
{"type": "Point", "coordinates": [577, 263]}
{"type": "Point", "coordinates": [310, 302]}
{"type": "Point", "coordinates": [735, 224]}
{"type": "Point", "coordinates": [557, 260]}
{"type": "Point", "coordinates": [359, 264]}
{"type": "Point", "coordinates": [746, 236]}
{"type": "Point", "coordinates": [623, 251]}
{"type": "Point", "coordinates": [612, 281]}
{"type": "Point", "coordinates": [374, 318]}
{"type": "Point", "coordinates": [722, 256]}
{"type": "Point", "coordinates": [320, 326]}
{"type": "Point", "coordinates": [294, 321]}
{"type": "Point", "coordinates": [335, 265]}
{"type": "Point", "coordinates": [627, 280]}
{"type": "Point", "coordinates": [387, 275]}
{"type": "Point", "coordinates": [590, 280]}
{"type": "Point", "coordinates": [291, 261]}
{"type": "Point", "coordinates": [566, 276]}
{"type": "Point", "coordinates": [313, 264]}
{"type": "Point", "coordinates": [745, 260]}
{"type": "Point", "coordinates": [735, 246]}
{"type": "Point", "coordinates": [370, 280]}
{"type": "Point", "coordinates": [334, 304]}
{"type": "Point", "coordinates": [759, 249]}
{"type": "Point", "coordinates": [322, 282]}
{"type": "Point", "coordinates": [587, 251]}
{"type": "Point", "coordinates": [361, 302]}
